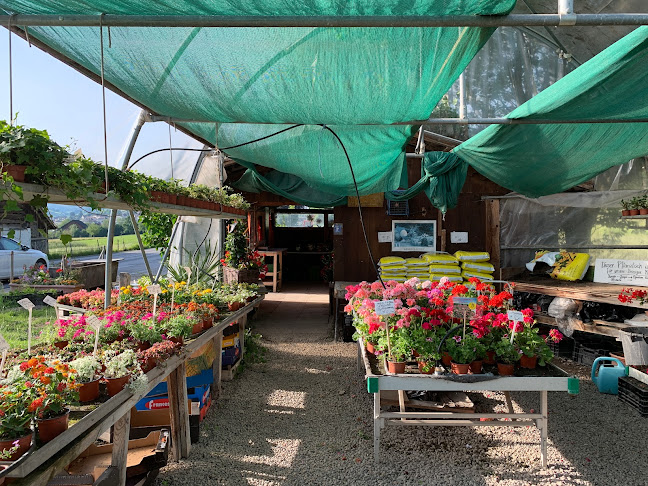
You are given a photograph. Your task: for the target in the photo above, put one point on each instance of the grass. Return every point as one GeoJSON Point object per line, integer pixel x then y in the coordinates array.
{"type": "Point", "coordinates": [14, 324]}
{"type": "Point", "coordinates": [90, 246]}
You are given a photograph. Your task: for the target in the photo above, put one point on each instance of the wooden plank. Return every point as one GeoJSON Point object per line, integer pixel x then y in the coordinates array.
{"type": "Point", "coordinates": [121, 431]}
{"type": "Point", "coordinates": [241, 324]}
{"type": "Point", "coordinates": [493, 233]}
{"type": "Point", "coordinates": [603, 328]}
{"type": "Point", "coordinates": [56, 196]}
{"type": "Point", "coordinates": [217, 366]}
{"type": "Point", "coordinates": [180, 439]}
{"type": "Point", "coordinates": [452, 402]}
{"type": "Point", "coordinates": [472, 383]}
{"type": "Point", "coordinates": [230, 371]}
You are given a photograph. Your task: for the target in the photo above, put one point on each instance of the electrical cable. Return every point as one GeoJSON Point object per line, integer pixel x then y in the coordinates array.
{"type": "Point", "coordinates": [355, 184]}
{"type": "Point", "coordinates": [219, 148]}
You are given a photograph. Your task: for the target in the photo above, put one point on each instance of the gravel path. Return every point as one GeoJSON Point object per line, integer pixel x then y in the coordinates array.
{"type": "Point", "coordinates": [304, 418]}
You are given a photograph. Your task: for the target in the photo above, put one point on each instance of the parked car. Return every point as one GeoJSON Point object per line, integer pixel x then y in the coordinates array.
{"type": "Point", "coordinates": [23, 257]}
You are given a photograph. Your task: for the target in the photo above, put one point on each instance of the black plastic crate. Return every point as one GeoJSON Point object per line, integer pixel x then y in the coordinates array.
{"type": "Point", "coordinates": [641, 407]}
{"type": "Point", "coordinates": [633, 387]}
{"type": "Point", "coordinates": [564, 348]}
{"type": "Point", "coordinates": [586, 353]}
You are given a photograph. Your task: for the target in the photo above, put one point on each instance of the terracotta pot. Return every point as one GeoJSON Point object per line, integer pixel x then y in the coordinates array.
{"type": "Point", "coordinates": [446, 359]}
{"type": "Point", "coordinates": [476, 367]}
{"type": "Point", "coordinates": [422, 365]}
{"type": "Point", "coordinates": [415, 353]}
{"type": "Point", "coordinates": [643, 211]}
{"type": "Point", "coordinates": [396, 366]}
{"type": "Point", "coordinates": [115, 385]}
{"type": "Point", "coordinates": [143, 345]}
{"type": "Point", "coordinates": [16, 171]}
{"type": "Point", "coordinates": [208, 323]}
{"type": "Point", "coordinates": [61, 344]}
{"type": "Point", "coordinates": [505, 369]}
{"type": "Point", "coordinates": [197, 327]}
{"type": "Point", "coordinates": [234, 306]}
{"type": "Point", "coordinates": [634, 212]}
{"type": "Point", "coordinates": [625, 212]}
{"type": "Point", "coordinates": [148, 364]}
{"type": "Point", "coordinates": [370, 348]}
{"type": "Point", "coordinates": [182, 200]}
{"type": "Point", "coordinates": [177, 340]}
{"type": "Point", "coordinates": [48, 429]}
{"type": "Point", "coordinates": [173, 199]}
{"type": "Point", "coordinates": [89, 392]}
{"type": "Point", "coordinates": [157, 196]}
{"type": "Point", "coordinates": [490, 358]}
{"type": "Point", "coordinates": [528, 363]}
{"type": "Point", "coordinates": [24, 443]}
{"type": "Point", "coordinates": [460, 368]}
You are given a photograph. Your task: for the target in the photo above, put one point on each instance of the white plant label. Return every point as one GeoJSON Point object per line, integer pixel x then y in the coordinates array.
{"type": "Point", "coordinates": [95, 324]}
{"type": "Point", "coordinates": [172, 298]}
{"type": "Point", "coordinates": [50, 301]}
{"type": "Point", "coordinates": [385, 307]}
{"type": "Point", "coordinates": [154, 289]}
{"type": "Point", "coordinates": [515, 316]}
{"type": "Point", "coordinates": [4, 345]}
{"type": "Point", "coordinates": [188, 270]}
{"type": "Point", "coordinates": [26, 304]}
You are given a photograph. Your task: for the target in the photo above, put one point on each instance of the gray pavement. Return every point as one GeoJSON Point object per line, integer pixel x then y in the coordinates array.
{"type": "Point", "coordinates": [132, 261]}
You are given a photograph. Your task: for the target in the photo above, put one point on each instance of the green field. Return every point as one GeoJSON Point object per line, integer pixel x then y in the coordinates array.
{"type": "Point", "coordinates": [14, 323]}
{"type": "Point", "coordinates": [90, 246]}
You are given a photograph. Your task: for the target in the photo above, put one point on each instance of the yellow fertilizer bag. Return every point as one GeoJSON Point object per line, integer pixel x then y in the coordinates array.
{"type": "Point", "coordinates": [570, 266]}
{"type": "Point", "coordinates": [440, 258]}
{"type": "Point", "coordinates": [435, 277]}
{"type": "Point", "coordinates": [394, 268]}
{"type": "Point", "coordinates": [472, 256]}
{"type": "Point", "coordinates": [391, 260]}
{"type": "Point", "coordinates": [483, 267]}
{"type": "Point", "coordinates": [415, 262]}
{"type": "Point", "coordinates": [467, 274]}
{"type": "Point", "coordinates": [445, 269]}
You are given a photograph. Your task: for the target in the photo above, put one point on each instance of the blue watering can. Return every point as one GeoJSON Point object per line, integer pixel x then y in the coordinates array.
{"type": "Point", "coordinates": [608, 376]}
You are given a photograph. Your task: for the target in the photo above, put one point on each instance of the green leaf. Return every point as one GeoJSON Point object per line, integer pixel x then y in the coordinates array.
{"type": "Point", "coordinates": [29, 218]}
{"type": "Point", "coordinates": [66, 239]}
{"type": "Point", "coordinates": [11, 233]}
{"type": "Point", "coordinates": [11, 205]}
{"type": "Point", "coordinates": [39, 201]}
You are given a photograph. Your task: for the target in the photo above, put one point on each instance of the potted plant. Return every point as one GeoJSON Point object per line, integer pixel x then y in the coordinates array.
{"type": "Point", "coordinates": [157, 353]}
{"type": "Point", "coordinates": [240, 263]}
{"type": "Point", "coordinates": [15, 419]}
{"type": "Point", "coordinates": [507, 356]}
{"type": "Point", "coordinates": [643, 205]}
{"type": "Point", "coordinates": [87, 372]}
{"type": "Point", "coordinates": [51, 388]}
{"type": "Point", "coordinates": [635, 204]}
{"type": "Point", "coordinates": [398, 350]}
{"type": "Point", "coordinates": [119, 369]}
{"type": "Point", "coordinates": [177, 328]}
{"type": "Point", "coordinates": [463, 350]}
{"type": "Point", "coordinates": [625, 205]}
{"type": "Point", "coordinates": [145, 331]}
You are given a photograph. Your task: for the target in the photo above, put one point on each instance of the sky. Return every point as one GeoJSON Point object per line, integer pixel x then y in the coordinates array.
{"type": "Point", "coordinates": [49, 95]}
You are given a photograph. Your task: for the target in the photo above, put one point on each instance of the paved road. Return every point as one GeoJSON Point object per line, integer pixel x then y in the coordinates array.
{"type": "Point", "coordinates": [132, 261]}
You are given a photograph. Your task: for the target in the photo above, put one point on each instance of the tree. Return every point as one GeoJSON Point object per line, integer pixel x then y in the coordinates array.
{"type": "Point", "coordinates": [94, 229]}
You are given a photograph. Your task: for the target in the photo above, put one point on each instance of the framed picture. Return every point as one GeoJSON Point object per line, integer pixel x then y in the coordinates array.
{"type": "Point", "coordinates": [414, 235]}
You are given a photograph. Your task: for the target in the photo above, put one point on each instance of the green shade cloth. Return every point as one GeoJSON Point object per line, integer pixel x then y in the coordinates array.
{"type": "Point", "coordinates": [289, 186]}
{"type": "Point", "coordinates": [536, 160]}
{"type": "Point", "coordinates": [442, 176]}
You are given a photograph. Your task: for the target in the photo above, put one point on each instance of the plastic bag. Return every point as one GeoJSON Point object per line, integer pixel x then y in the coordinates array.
{"type": "Point", "coordinates": [482, 267]}
{"type": "Point", "coordinates": [467, 274]}
{"type": "Point", "coordinates": [445, 269]}
{"type": "Point", "coordinates": [391, 260]}
{"type": "Point", "coordinates": [472, 256]}
{"type": "Point", "coordinates": [440, 258]}
{"type": "Point", "coordinates": [562, 307]}
{"type": "Point", "coordinates": [566, 265]}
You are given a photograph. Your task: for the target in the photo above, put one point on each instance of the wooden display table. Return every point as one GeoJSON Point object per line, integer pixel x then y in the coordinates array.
{"type": "Point", "coordinates": [277, 266]}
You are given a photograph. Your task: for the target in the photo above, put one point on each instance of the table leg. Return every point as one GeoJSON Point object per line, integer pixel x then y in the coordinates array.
{"type": "Point", "coordinates": [401, 402]}
{"type": "Point", "coordinates": [544, 410]}
{"type": "Point", "coordinates": [337, 309]}
{"type": "Point", "coordinates": [121, 431]}
{"type": "Point", "coordinates": [509, 403]}
{"type": "Point", "coordinates": [377, 427]}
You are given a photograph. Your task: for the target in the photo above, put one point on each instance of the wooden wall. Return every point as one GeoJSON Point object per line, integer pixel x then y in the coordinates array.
{"type": "Point", "coordinates": [352, 262]}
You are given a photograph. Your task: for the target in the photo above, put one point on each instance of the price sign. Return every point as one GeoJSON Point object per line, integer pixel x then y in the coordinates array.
{"type": "Point", "coordinates": [26, 304]}
{"type": "Point", "coordinates": [50, 301]}
{"type": "Point", "coordinates": [4, 348]}
{"type": "Point", "coordinates": [95, 324]}
{"type": "Point", "coordinates": [29, 305]}
{"type": "Point", "coordinates": [154, 289]}
{"type": "Point", "coordinates": [464, 306]}
{"type": "Point", "coordinates": [385, 307]}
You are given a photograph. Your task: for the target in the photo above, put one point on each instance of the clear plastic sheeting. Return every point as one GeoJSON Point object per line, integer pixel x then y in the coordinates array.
{"type": "Point", "coordinates": [630, 176]}
{"type": "Point", "coordinates": [199, 234]}
{"type": "Point", "coordinates": [527, 226]}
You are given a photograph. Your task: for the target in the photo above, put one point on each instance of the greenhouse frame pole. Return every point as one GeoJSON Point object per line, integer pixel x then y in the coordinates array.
{"type": "Point", "coordinates": [135, 131]}
{"type": "Point", "coordinates": [141, 245]}
{"type": "Point", "coordinates": [512, 20]}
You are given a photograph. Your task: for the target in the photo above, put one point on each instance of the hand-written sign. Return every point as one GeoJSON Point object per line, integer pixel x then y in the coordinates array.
{"type": "Point", "coordinates": [385, 307]}
{"type": "Point", "coordinates": [50, 301]}
{"type": "Point", "coordinates": [154, 289]}
{"type": "Point", "coordinates": [464, 306]}
{"type": "Point", "coordinates": [621, 272]}
{"type": "Point", "coordinates": [26, 304]}
{"type": "Point", "coordinates": [94, 323]}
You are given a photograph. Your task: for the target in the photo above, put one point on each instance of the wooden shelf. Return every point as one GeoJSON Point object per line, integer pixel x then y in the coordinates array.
{"type": "Point", "coordinates": [592, 291]}
{"type": "Point", "coordinates": [597, 326]}
{"type": "Point", "coordinates": [56, 196]}
{"type": "Point", "coordinates": [638, 216]}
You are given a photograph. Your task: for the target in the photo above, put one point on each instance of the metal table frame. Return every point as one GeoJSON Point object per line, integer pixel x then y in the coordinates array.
{"type": "Point", "coordinates": [443, 383]}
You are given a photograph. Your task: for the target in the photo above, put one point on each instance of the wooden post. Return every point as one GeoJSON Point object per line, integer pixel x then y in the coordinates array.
{"type": "Point", "coordinates": [242, 322]}
{"type": "Point", "coordinates": [179, 409]}
{"type": "Point", "coordinates": [493, 234]}
{"type": "Point", "coordinates": [217, 366]}
{"type": "Point", "coordinates": [124, 279]}
{"type": "Point", "coordinates": [544, 410]}
{"type": "Point", "coordinates": [121, 431]}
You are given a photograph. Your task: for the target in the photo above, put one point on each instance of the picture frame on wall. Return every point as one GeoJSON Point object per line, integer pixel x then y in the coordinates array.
{"type": "Point", "coordinates": [414, 235]}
